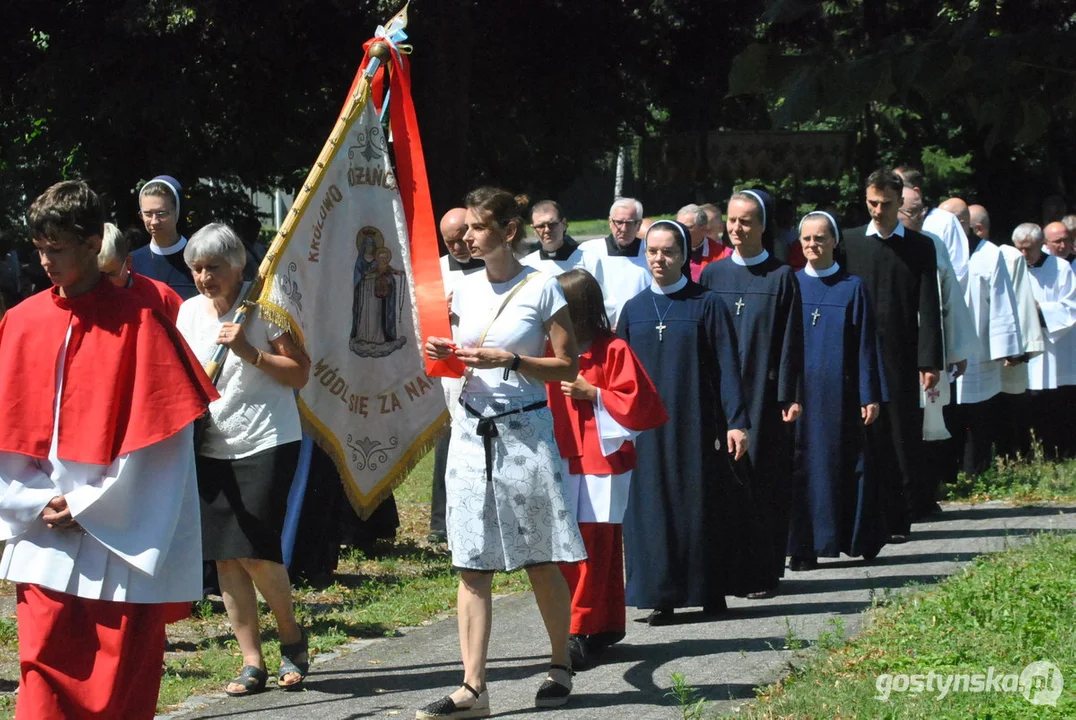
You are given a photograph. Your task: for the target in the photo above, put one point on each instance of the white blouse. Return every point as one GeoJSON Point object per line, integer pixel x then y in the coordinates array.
{"type": "Point", "coordinates": [520, 328]}
{"type": "Point", "coordinates": [254, 412]}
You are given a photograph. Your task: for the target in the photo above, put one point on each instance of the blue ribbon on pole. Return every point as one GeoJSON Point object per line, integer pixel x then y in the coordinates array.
{"type": "Point", "coordinates": [296, 496]}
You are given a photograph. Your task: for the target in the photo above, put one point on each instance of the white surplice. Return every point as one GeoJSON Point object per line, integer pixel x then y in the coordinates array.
{"type": "Point", "coordinates": [620, 277]}
{"type": "Point", "coordinates": [1014, 379]}
{"type": "Point", "coordinates": [946, 227]}
{"type": "Point", "coordinates": [992, 302]}
{"type": "Point", "coordinates": [554, 267]}
{"type": "Point", "coordinates": [142, 541]}
{"type": "Point", "coordinates": [601, 498]}
{"type": "Point", "coordinates": [1054, 286]}
{"type": "Point", "coordinates": [958, 338]}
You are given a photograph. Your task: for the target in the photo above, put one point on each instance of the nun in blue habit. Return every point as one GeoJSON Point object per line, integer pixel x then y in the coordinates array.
{"type": "Point", "coordinates": [837, 492]}
{"type": "Point", "coordinates": [685, 525]}
{"type": "Point", "coordinates": [763, 298]}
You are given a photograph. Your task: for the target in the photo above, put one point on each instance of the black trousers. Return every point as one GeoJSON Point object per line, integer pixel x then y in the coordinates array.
{"type": "Point", "coordinates": [974, 429]}
{"type": "Point", "coordinates": [1013, 425]}
{"type": "Point", "coordinates": [1050, 416]}
{"type": "Point", "coordinates": [437, 499]}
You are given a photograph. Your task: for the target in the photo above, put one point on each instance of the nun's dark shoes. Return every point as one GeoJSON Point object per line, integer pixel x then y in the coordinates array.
{"type": "Point", "coordinates": [659, 617]}
{"type": "Point", "coordinates": [801, 564]}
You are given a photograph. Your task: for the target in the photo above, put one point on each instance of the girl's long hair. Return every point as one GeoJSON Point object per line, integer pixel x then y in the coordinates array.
{"type": "Point", "coordinates": [586, 305]}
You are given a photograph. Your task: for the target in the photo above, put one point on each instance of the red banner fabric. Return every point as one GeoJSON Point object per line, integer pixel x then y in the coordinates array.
{"type": "Point", "coordinates": [414, 189]}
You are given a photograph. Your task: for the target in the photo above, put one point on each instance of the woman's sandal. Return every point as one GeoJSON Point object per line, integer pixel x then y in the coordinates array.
{"type": "Point", "coordinates": [252, 679]}
{"type": "Point", "coordinates": [446, 707]}
{"type": "Point", "coordinates": [289, 666]}
{"type": "Point", "coordinates": [551, 693]}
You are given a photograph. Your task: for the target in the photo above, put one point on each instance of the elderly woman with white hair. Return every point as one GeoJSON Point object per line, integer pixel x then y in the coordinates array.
{"type": "Point", "coordinates": [248, 454]}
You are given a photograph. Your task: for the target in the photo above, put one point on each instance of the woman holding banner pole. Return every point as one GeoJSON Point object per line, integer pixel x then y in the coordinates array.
{"type": "Point", "coordinates": [506, 503]}
{"type": "Point", "coordinates": [248, 454]}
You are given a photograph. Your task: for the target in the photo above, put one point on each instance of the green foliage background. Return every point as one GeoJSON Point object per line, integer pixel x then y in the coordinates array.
{"type": "Point", "coordinates": [535, 95]}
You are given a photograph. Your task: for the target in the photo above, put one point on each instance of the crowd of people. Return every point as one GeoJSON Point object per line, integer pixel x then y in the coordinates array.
{"type": "Point", "coordinates": [136, 470]}
{"type": "Point", "coordinates": [660, 418]}
{"type": "Point", "coordinates": [673, 412]}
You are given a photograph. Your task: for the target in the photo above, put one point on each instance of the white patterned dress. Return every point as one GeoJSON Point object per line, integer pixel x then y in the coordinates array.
{"type": "Point", "coordinates": [513, 513]}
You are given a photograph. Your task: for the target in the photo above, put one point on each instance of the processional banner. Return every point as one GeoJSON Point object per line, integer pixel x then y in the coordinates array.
{"type": "Point", "coordinates": [344, 283]}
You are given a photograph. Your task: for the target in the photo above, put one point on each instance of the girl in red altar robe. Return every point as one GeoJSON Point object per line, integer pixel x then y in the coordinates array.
{"type": "Point", "coordinates": [595, 420]}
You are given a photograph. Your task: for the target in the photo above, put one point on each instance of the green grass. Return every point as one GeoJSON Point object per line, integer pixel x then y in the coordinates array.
{"type": "Point", "coordinates": [598, 227]}
{"type": "Point", "coordinates": [1003, 611]}
{"type": "Point", "coordinates": [1019, 480]}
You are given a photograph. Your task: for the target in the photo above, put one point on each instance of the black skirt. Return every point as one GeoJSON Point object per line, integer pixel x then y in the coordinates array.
{"type": "Point", "coordinates": [243, 503]}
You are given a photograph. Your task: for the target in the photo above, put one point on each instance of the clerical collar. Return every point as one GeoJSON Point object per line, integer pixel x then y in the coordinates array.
{"type": "Point", "coordinates": [702, 251]}
{"type": "Point", "coordinates": [632, 250]}
{"type": "Point", "coordinates": [171, 249]}
{"type": "Point", "coordinates": [751, 261]}
{"type": "Point", "coordinates": [455, 265]}
{"type": "Point", "coordinates": [831, 270]}
{"type": "Point", "coordinates": [1040, 262]}
{"type": "Point", "coordinates": [668, 289]}
{"type": "Point", "coordinates": [872, 229]}
{"type": "Point", "coordinates": [563, 252]}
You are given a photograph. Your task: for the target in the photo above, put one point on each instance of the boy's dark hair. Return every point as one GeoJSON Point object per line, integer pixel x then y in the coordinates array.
{"type": "Point", "coordinates": [886, 179]}
{"type": "Point", "coordinates": [66, 207]}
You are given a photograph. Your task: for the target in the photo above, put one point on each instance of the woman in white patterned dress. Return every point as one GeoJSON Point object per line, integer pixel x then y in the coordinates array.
{"type": "Point", "coordinates": [506, 498]}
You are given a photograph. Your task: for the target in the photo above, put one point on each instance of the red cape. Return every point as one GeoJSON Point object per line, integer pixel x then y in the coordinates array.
{"type": "Point", "coordinates": [718, 251]}
{"type": "Point", "coordinates": [628, 394]}
{"type": "Point", "coordinates": [156, 295]}
{"type": "Point", "coordinates": [129, 380]}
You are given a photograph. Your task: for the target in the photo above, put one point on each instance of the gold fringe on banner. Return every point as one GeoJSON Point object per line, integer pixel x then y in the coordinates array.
{"type": "Point", "coordinates": [366, 504]}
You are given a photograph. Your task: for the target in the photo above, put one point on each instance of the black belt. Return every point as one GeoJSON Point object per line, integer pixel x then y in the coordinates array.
{"type": "Point", "coordinates": [487, 429]}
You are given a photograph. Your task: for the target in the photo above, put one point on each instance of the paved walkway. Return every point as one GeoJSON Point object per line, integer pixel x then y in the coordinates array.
{"type": "Point", "coordinates": [724, 659]}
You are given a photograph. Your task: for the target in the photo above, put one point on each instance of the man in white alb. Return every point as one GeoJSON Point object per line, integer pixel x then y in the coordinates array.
{"type": "Point", "coordinates": [992, 301]}
{"type": "Point", "coordinates": [1052, 374]}
{"type": "Point", "coordinates": [558, 252]}
{"type": "Point", "coordinates": [617, 261]}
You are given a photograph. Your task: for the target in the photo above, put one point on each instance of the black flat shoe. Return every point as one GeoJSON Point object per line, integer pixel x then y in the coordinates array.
{"type": "Point", "coordinates": [762, 594]}
{"type": "Point", "coordinates": [898, 539]}
{"type": "Point", "coordinates": [659, 617]}
{"type": "Point", "coordinates": [579, 652]}
{"type": "Point", "coordinates": [716, 609]}
{"type": "Point", "coordinates": [800, 564]}
{"type": "Point", "coordinates": [605, 639]}
{"type": "Point", "coordinates": [551, 694]}
{"type": "Point", "coordinates": [446, 707]}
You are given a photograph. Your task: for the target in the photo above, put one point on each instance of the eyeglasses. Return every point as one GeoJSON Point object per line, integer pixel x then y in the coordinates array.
{"type": "Point", "coordinates": [623, 223]}
{"type": "Point", "coordinates": [546, 226]}
{"type": "Point", "coordinates": [159, 214]}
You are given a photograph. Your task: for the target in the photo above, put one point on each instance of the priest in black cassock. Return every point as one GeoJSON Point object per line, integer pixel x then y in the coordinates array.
{"type": "Point", "coordinates": [836, 502]}
{"type": "Point", "coordinates": [899, 269]}
{"type": "Point", "coordinates": [684, 521]}
{"type": "Point", "coordinates": [763, 298]}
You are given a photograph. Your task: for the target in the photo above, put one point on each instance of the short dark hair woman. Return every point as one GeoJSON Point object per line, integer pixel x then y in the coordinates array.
{"type": "Point", "coordinates": [506, 503]}
{"type": "Point", "coordinates": [248, 455]}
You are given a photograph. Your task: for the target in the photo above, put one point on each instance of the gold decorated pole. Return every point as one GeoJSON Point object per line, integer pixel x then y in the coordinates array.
{"type": "Point", "coordinates": [379, 55]}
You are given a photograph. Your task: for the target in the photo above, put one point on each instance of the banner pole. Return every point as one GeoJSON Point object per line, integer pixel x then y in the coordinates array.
{"type": "Point", "coordinates": [378, 55]}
